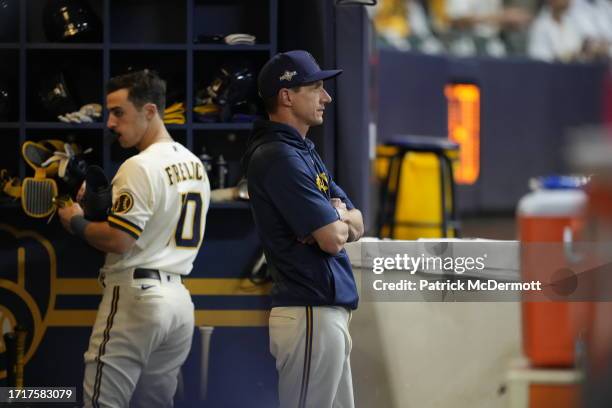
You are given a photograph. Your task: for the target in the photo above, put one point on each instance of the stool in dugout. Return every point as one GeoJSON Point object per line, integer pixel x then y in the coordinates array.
{"type": "Point", "coordinates": [392, 199]}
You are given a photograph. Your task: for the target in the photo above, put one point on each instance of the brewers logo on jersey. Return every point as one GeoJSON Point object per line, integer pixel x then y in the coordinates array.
{"type": "Point", "coordinates": [123, 203]}
{"type": "Point", "coordinates": [322, 182]}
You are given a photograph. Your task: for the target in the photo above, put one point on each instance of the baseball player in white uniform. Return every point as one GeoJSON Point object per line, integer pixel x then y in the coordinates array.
{"type": "Point", "coordinates": [144, 326]}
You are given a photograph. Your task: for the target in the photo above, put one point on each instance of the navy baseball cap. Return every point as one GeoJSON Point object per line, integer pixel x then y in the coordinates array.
{"type": "Point", "coordinates": [291, 69]}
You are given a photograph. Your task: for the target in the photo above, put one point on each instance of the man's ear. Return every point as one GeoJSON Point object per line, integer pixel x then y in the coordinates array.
{"type": "Point", "coordinates": [284, 97]}
{"type": "Point", "coordinates": [150, 110]}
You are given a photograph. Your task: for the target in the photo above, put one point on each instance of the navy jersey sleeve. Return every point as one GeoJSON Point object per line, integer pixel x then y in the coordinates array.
{"type": "Point", "coordinates": [337, 192]}
{"type": "Point", "coordinates": [334, 189]}
{"type": "Point", "coordinates": [293, 191]}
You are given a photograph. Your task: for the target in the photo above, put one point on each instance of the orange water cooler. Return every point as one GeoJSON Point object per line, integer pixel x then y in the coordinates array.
{"type": "Point", "coordinates": [543, 388]}
{"type": "Point", "coordinates": [549, 216]}
{"type": "Point", "coordinates": [553, 213]}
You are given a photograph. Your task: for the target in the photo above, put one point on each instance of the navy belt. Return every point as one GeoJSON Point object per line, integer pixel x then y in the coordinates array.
{"type": "Point", "coordinates": [142, 273]}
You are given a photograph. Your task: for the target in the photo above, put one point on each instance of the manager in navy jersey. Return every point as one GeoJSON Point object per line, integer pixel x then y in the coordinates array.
{"type": "Point", "coordinates": [304, 219]}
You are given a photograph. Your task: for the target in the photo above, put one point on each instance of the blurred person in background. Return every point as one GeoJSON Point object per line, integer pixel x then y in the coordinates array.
{"type": "Point", "coordinates": [516, 40]}
{"type": "Point", "coordinates": [476, 25]}
{"type": "Point", "coordinates": [405, 25]}
{"type": "Point", "coordinates": [560, 34]}
{"type": "Point", "coordinates": [593, 19]}
{"type": "Point", "coordinates": [605, 8]}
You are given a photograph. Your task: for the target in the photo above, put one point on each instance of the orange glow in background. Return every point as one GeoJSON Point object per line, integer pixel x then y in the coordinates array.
{"type": "Point", "coordinates": [464, 129]}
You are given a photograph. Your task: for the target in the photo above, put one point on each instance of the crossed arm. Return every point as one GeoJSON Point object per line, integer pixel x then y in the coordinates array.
{"type": "Point", "coordinates": [352, 218]}
{"type": "Point", "coordinates": [332, 237]}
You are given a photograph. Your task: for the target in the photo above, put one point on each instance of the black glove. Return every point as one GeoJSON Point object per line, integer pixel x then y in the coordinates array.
{"type": "Point", "coordinates": [98, 197]}
{"type": "Point", "coordinates": [73, 176]}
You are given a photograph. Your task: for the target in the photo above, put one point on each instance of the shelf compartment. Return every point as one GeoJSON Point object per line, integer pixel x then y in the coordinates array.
{"type": "Point", "coordinates": [81, 71]}
{"type": "Point", "coordinates": [223, 17]}
{"type": "Point", "coordinates": [9, 86]}
{"type": "Point", "coordinates": [210, 66]}
{"type": "Point", "coordinates": [9, 22]}
{"type": "Point", "coordinates": [92, 13]}
{"type": "Point", "coordinates": [148, 21]}
{"type": "Point", "coordinates": [230, 144]}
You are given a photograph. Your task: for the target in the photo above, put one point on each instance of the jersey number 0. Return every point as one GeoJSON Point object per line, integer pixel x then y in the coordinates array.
{"type": "Point", "coordinates": [188, 229]}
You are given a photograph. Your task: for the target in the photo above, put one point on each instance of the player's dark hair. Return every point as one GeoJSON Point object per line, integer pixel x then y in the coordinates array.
{"type": "Point", "coordinates": [271, 102]}
{"type": "Point", "coordinates": [143, 87]}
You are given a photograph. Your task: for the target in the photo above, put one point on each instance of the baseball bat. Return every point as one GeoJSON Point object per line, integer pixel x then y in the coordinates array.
{"type": "Point", "coordinates": [10, 342]}
{"type": "Point", "coordinates": [21, 335]}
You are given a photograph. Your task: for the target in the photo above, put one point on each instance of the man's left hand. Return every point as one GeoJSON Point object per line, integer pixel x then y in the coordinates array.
{"type": "Point", "coordinates": [340, 207]}
{"type": "Point", "coordinates": [338, 203]}
{"type": "Point", "coordinates": [352, 218]}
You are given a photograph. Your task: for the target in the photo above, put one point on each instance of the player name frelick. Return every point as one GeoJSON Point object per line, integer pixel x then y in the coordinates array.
{"type": "Point", "coordinates": [183, 171]}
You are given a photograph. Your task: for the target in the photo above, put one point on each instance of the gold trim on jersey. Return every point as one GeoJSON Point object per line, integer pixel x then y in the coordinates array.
{"type": "Point", "coordinates": [124, 225]}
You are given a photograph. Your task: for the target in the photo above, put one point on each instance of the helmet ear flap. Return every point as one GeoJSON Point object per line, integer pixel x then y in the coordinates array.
{"type": "Point", "coordinates": [36, 153]}
{"type": "Point", "coordinates": [59, 160]}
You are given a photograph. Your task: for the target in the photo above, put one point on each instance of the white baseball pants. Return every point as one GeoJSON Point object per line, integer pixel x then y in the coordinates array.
{"type": "Point", "coordinates": [140, 339]}
{"type": "Point", "coordinates": [312, 347]}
